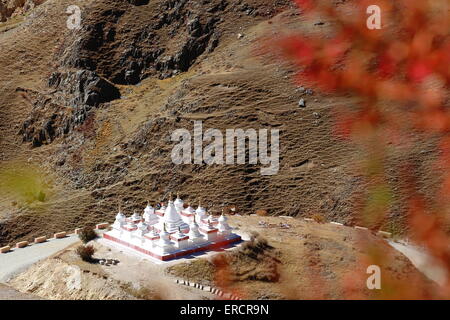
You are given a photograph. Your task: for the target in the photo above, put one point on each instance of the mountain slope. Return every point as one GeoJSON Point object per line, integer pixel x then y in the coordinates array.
{"type": "Point", "coordinates": [88, 114]}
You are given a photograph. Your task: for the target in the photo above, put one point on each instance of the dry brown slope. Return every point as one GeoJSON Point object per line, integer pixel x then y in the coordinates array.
{"type": "Point", "coordinates": [27, 58]}
{"type": "Point", "coordinates": [309, 260]}
{"type": "Point", "coordinates": [123, 153]}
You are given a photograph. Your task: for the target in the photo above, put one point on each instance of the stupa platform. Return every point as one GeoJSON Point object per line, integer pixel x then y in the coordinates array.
{"type": "Point", "coordinates": [171, 232]}
{"type": "Point", "coordinates": [177, 253]}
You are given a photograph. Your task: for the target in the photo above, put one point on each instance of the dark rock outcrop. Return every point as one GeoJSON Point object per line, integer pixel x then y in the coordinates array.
{"type": "Point", "coordinates": [67, 107]}
{"type": "Point", "coordinates": [170, 43]}
{"type": "Point", "coordinates": [138, 2]}
{"type": "Point", "coordinates": [85, 87]}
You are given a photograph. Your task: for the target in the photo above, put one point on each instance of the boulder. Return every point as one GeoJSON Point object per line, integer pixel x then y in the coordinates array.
{"type": "Point", "coordinates": [302, 103]}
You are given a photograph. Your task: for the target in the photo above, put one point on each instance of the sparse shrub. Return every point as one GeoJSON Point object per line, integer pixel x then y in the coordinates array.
{"type": "Point", "coordinates": [87, 234]}
{"type": "Point", "coordinates": [261, 212]}
{"type": "Point", "coordinates": [255, 247]}
{"type": "Point", "coordinates": [317, 217]}
{"type": "Point", "coordinates": [267, 273]}
{"type": "Point", "coordinates": [255, 260]}
{"type": "Point", "coordinates": [86, 252]}
{"type": "Point", "coordinates": [230, 210]}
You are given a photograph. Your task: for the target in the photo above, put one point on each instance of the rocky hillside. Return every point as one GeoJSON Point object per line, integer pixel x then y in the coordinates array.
{"type": "Point", "coordinates": [86, 114]}
{"type": "Point", "coordinates": [11, 8]}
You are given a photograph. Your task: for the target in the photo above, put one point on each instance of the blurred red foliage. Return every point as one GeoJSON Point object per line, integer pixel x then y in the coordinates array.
{"type": "Point", "coordinates": [406, 64]}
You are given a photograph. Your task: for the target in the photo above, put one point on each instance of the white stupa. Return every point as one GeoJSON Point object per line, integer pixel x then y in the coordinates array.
{"type": "Point", "coordinates": [164, 242]}
{"type": "Point", "coordinates": [136, 217]}
{"type": "Point", "coordinates": [223, 225]}
{"type": "Point", "coordinates": [208, 229]}
{"type": "Point", "coordinates": [200, 213]}
{"type": "Point", "coordinates": [189, 210]}
{"type": "Point", "coordinates": [149, 215]}
{"type": "Point", "coordinates": [180, 234]}
{"type": "Point", "coordinates": [142, 228]}
{"type": "Point", "coordinates": [131, 225]}
{"type": "Point", "coordinates": [172, 219]}
{"type": "Point", "coordinates": [180, 239]}
{"type": "Point", "coordinates": [212, 219]}
{"type": "Point", "coordinates": [153, 234]}
{"type": "Point", "coordinates": [179, 204]}
{"type": "Point", "coordinates": [120, 219]}
{"type": "Point", "coordinates": [194, 235]}
{"type": "Point", "coordinates": [152, 237]}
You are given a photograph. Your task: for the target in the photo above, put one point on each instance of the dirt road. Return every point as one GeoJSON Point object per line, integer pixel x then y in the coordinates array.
{"type": "Point", "coordinates": [422, 261]}
{"type": "Point", "coordinates": [19, 260]}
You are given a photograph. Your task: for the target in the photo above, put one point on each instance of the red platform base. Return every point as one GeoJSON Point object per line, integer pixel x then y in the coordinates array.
{"type": "Point", "coordinates": [177, 254]}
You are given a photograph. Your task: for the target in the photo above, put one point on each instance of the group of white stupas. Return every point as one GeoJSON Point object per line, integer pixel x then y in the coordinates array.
{"type": "Point", "coordinates": [172, 231]}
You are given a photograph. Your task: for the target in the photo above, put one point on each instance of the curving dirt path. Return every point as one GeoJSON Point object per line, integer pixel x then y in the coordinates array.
{"type": "Point", "coordinates": [422, 261]}
{"type": "Point", "coordinates": [19, 260]}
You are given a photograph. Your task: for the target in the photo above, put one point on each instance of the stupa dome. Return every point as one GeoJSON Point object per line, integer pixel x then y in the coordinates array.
{"type": "Point", "coordinates": [193, 230]}
{"type": "Point", "coordinates": [120, 216]}
{"type": "Point", "coordinates": [223, 224]}
{"type": "Point", "coordinates": [179, 204]}
{"type": "Point", "coordinates": [149, 209]}
{"type": "Point", "coordinates": [190, 210]}
{"type": "Point", "coordinates": [170, 214]}
{"type": "Point", "coordinates": [200, 210]}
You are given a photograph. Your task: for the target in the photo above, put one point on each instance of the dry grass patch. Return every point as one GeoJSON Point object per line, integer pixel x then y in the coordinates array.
{"type": "Point", "coordinates": [199, 270]}
{"type": "Point", "coordinates": [253, 260]}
